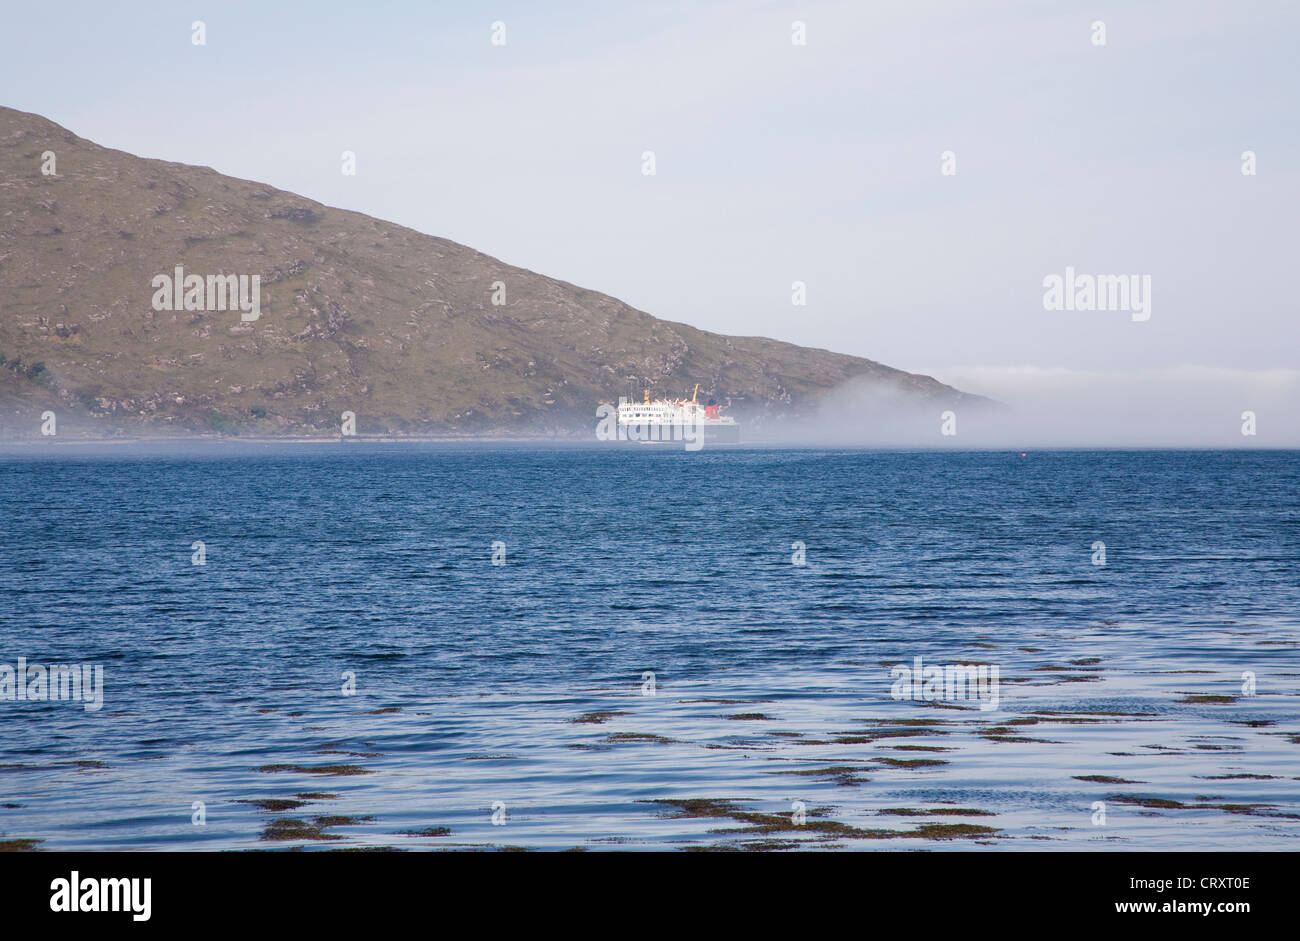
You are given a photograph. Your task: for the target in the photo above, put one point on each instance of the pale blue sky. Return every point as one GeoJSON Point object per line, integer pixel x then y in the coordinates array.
{"type": "Point", "coordinates": [775, 162]}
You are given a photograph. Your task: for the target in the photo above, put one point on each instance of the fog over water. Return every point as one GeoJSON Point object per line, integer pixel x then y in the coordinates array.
{"type": "Point", "coordinates": [1183, 407]}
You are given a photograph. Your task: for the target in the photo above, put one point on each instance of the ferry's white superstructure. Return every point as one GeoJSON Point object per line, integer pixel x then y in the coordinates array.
{"type": "Point", "coordinates": [672, 415]}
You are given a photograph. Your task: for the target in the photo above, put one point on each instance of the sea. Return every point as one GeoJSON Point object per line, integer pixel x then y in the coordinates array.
{"type": "Point", "coordinates": [489, 646]}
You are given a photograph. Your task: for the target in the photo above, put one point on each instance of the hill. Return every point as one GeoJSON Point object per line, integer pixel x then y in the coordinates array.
{"type": "Point", "coordinates": [356, 314]}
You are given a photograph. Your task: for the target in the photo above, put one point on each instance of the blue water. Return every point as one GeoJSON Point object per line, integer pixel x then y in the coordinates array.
{"type": "Point", "coordinates": [377, 561]}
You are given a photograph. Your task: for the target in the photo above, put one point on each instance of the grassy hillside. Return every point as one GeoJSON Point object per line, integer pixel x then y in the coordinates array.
{"type": "Point", "coordinates": [357, 315]}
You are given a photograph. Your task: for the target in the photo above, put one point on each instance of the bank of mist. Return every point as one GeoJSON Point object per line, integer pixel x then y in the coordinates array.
{"type": "Point", "coordinates": [1184, 407]}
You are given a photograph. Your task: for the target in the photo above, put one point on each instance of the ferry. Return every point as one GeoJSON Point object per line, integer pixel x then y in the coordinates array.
{"type": "Point", "coordinates": [670, 419]}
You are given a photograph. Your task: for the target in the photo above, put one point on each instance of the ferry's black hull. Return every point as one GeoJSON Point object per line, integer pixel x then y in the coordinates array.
{"type": "Point", "coordinates": [675, 436]}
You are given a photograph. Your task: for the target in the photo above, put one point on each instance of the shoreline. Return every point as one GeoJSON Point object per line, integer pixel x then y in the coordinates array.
{"type": "Point", "coordinates": [36, 445]}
